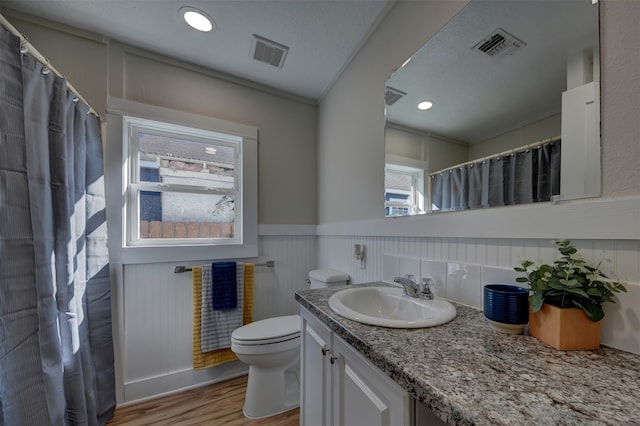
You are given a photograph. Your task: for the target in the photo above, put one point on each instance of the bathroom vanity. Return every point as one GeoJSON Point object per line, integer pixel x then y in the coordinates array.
{"type": "Point", "coordinates": [459, 373]}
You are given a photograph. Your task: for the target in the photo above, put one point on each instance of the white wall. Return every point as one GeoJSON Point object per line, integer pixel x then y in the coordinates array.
{"type": "Point", "coordinates": [443, 153]}
{"type": "Point", "coordinates": [404, 142]}
{"type": "Point", "coordinates": [534, 132]}
{"type": "Point", "coordinates": [437, 152]}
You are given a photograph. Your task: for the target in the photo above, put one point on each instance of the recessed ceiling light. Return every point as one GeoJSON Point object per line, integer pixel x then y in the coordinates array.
{"type": "Point", "coordinates": [425, 105]}
{"type": "Point", "coordinates": [197, 19]}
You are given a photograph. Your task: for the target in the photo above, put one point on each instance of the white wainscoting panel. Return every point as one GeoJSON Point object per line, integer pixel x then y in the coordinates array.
{"type": "Point", "coordinates": [274, 291]}
{"type": "Point", "coordinates": [156, 316]}
{"type": "Point", "coordinates": [157, 321]}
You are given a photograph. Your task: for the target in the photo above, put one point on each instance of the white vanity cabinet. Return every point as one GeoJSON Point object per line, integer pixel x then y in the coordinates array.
{"type": "Point", "coordinates": [342, 388]}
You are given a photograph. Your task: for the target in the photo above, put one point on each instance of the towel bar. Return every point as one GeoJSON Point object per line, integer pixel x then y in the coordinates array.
{"type": "Point", "coordinates": [181, 269]}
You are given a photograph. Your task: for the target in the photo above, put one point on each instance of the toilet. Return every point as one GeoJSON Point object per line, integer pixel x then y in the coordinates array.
{"type": "Point", "coordinates": [271, 348]}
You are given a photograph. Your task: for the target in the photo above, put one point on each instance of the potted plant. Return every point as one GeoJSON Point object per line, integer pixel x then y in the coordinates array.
{"type": "Point", "coordinates": [566, 299]}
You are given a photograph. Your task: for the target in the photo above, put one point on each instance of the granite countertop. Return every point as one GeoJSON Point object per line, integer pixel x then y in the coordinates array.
{"type": "Point", "coordinates": [469, 374]}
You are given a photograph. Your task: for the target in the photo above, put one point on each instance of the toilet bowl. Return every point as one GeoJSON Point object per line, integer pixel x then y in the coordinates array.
{"type": "Point", "coordinates": [271, 348]}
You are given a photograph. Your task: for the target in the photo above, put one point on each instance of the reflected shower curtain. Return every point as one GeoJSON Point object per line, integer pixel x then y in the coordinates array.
{"type": "Point", "coordinates": [56, 350]}
{"type": "Point", "coordinates": [529, 176]}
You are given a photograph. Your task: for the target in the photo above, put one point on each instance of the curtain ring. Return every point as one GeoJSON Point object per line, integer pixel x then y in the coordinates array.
{"type": "Point", "coordinates": [24, 48]}
{"type": "Point", "coordinates": [45, 70]}
{"type": "Point", "coordinates": [75, 99]}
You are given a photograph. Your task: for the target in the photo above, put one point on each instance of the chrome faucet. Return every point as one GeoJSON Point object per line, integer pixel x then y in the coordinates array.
{"type": "Point", "coordinates": [409, 287]}
{"type": "Point", "coordinates": [413, 289]}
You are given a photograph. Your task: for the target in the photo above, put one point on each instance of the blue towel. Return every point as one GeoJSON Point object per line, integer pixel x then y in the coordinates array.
{"type": "Point", "coordinates": [224, 290]}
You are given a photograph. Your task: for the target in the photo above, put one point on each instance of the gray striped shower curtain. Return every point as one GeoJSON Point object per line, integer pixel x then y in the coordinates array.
{"type": "Point", "coordinates": [56, 349]}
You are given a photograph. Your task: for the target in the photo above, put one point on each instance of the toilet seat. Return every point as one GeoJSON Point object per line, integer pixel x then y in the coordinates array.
{"type": "Point", "coordinates": [268, 331]}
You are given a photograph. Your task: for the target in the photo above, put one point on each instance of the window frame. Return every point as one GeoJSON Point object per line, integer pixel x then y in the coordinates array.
{"type": "Point", "coordinates": [417, 197]}
{"type": "Point", "coordinates": [133, 185]}
{"type": "Point", "coordinates": [117, 162]}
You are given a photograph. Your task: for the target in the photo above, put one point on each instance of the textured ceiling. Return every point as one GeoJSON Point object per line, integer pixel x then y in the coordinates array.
{"type": "Point", "coordinates": [323, 35]}
{"type": "Point", "coordinates": [477, 97]}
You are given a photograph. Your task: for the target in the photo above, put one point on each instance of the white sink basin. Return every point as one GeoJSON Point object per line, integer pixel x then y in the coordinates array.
{"type": "Point", "coordinates": [389, 307]}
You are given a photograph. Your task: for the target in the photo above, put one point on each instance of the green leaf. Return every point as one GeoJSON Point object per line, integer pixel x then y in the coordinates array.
{"type": "Point", "coordinates": [541, 285]}
{"type": "Point", "coordinates": [594, 311]}
{"type": "Point", "coordinates": [570, 283]}
{"type": "Point", "coordinates": [578, 291]}
{"type": "Point", "coordinates": [619, 287]}
{"type": "Point", "coordinates": [594, 292]}
{"type": "Point", "coordinates": [526, 263]}
{"type": "Point", "coordinates": [536, 300]}
{"type": "Point", "coordinates": [557, 284]}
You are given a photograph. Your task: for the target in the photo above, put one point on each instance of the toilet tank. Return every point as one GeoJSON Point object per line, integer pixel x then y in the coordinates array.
{"type": "Point", "coordinates": [319, 278]}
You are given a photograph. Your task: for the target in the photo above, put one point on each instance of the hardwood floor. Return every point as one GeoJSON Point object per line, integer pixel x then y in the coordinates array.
{"type": "Point", "coordinates": [217, 404]}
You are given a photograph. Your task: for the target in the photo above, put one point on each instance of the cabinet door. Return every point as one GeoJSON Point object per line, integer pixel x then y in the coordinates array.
{"type": "Point", "coordinates": [315, 404]}
{"type": "Point", "coordinates": [363, 395]}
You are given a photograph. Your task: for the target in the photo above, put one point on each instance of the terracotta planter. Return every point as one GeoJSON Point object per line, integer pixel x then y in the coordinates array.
{"type": "Point", "coordinates": [566, 329]}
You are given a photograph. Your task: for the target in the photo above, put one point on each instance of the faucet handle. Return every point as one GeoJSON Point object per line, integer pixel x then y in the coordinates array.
{"type": "Point", "coordinates": [426, 288]}
{"type": "Point", "coordinates": [427, 282]}
{"type": "Point", "coordinates": [410, 277]}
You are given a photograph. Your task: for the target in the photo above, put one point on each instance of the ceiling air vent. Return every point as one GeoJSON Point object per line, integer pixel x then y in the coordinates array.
{"type": "Point", "coordinates": [268, 51]}
{"type": "Point", "coordinates": [499, 43]}
{"type": "Point", "coordinates": [391, 95]}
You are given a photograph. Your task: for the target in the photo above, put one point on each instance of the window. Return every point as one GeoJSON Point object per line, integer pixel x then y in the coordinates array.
{"type": "Point", "coordinates": [403, 190]}
{"type": "Point", "coordinates": [183, 185]}
{"type": "Point", "coordinates": [171, 171]}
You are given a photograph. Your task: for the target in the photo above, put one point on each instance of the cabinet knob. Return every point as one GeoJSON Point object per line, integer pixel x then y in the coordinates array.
{"type": "Point", "coordinates": [333, 358]}
{"type": "Point", "coordinates": [325, 350]}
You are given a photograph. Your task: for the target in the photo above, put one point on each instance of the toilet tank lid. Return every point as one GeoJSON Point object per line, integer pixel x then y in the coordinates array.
{"type": "Point", "coordinates": [328, 275]}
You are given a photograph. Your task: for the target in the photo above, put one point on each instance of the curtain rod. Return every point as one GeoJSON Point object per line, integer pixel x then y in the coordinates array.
{"type": "Point", "coordinates": [501, 154]}
{"type": "Point", "coordinates": [181, 269]}
{"type": "Point", "coordinates": [27, 47]}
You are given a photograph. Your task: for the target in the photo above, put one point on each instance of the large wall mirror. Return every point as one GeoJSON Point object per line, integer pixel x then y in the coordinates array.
{"type": "Point", "coordinates": [512, 111]}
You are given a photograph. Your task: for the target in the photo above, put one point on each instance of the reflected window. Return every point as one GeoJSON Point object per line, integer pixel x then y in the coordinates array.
{"type": "Point", "coordinates": [404, 190]}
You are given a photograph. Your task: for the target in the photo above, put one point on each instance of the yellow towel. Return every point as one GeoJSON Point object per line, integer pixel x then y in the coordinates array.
{"type": "Point", "coordinates": [201, 359]}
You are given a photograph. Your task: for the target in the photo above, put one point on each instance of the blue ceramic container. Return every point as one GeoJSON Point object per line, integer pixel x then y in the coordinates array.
{"type": "Point", "coordinates": [507, 304]}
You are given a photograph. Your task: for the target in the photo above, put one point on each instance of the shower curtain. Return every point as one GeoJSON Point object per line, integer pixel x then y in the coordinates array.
{"type": "Point", "coordinates": [56, 349]}
{"type": "Point", "coordinates": [529, 176]}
